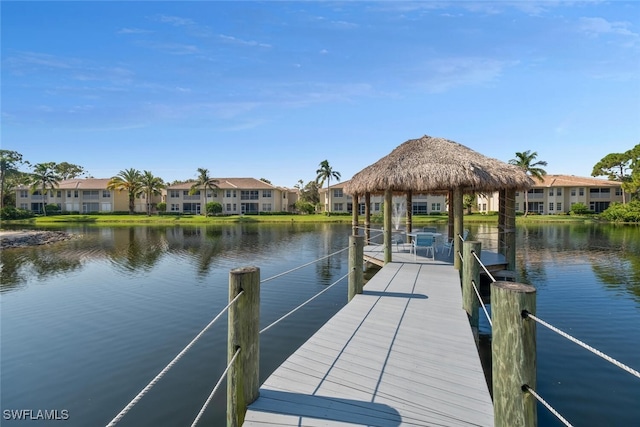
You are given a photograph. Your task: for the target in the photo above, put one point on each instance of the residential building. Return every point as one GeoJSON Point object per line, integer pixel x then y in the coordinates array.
{"type": "Point", "coordinates": [556, 194]}
{"type": "Point", "coordinates": [236, 195]}
{"type": "Point", "coordinates": [80, 195]}
{"type": "Point", "coordinates": [341, 202]}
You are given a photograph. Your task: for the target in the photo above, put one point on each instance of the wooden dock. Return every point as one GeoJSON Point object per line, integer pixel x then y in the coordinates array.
{"type": "Point", "coordinates": [401, 353]}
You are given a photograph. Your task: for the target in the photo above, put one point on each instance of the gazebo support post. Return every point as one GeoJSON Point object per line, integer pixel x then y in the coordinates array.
{"type": "Point", "coordinates": [367, 218]}
{"type": "Point", "coordinates": [450, 214]}
{"type": "Point", "coordinates": [501, 222]}
{"type": "Point", "coordinates": [388, 209]}
{"type": "Point", "coordinates": [457, 226]}
{"type": "Point", "coordinates": [354, 212]}
{"type": "Point", "coordinates": [409, 214]}
{"type": "Point", "coordinates": [510, 229]}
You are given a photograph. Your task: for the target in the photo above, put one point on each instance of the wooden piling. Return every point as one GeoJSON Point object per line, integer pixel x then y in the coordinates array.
{"type": "Point", "coordinates": [355, 210]}
{"type": "Point", "coordinates": [388, 209]}
{"type": "Point", "coordinates": [244, 333]}
{"type": "Point", "coordinates": [356, 259]}
{"type": "Point", "coordinates": [513, 348]}
{"type": "Point", "coordinates": [458, 212]}
{"type": "Point", "coordinates": [471, 273]}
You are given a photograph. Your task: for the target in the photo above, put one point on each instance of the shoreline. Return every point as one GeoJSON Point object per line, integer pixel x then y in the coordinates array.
{"type": "Point", "coordinates": [27, 238]}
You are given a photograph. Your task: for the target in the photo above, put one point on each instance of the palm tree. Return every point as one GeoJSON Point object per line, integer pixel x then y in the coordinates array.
{"type": "Point", "coordinates": [151, 186]}
{"type": "Point", "coordinates": [44, 177]}
{"type": "Point", "coordinates": [129, 180]}
{"type": "Point", "coordinates": [206, 182]}
{"type": "Point", "coordinates": [326, 172]}
{"type": "Point", "coordinates": [525, 160]}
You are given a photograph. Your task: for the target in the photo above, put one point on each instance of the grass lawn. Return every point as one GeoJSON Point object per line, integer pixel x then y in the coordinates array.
{"type": "Point", "coordinates": [317, 218]}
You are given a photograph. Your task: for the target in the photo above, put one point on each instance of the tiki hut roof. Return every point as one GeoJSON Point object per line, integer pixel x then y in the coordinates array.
{"type": "Point", "coordinates": [437, 165]}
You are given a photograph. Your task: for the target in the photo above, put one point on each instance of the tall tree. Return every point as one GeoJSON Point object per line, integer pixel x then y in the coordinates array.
{"type": "Point", "coordinates": [325, 173]}
{"type": "Point", "coordinates": [9, 163]}
{"type": "Point", "coordinates": [525, 160]}
{"type": "Point", "coordinates": [43, 178]}
{"type": "Point", "coordinates": [151, 186]}
{"type": "Point", "coordinates": [204, 181]}
{"type": "Point", "coordinates": [129, 180]}
{"type": "Point", "coordinates": [69, 170]}
{"type": "Point", "coordinates": [617, 167]}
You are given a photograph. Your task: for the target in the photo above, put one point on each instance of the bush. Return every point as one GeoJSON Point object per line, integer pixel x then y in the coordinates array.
{"type": "Point", "coordinates": [161, 207]}
{"type": "Point", "coordinates": [618, 212]}
{"type": "Point", "coordinates": [213, 208]}
{"type": "Point", "coordinates": [305, 207]}
{"type": "Point", "coordinates": [10, 212]}
{"type": "Point", "coordinates": [52, 209]}
{"type": "Point", "coordinates": [580, 209]}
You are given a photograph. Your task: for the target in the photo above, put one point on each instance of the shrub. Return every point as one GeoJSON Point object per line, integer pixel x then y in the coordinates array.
{"type": "Point", "coordinates": [214, 208]}
{"type": "Point", "coordinates": [10, 212]}
{"type": "Point", "coordinates": [579, 209]}
{"type": "Point", "coordinates": [618, 212]}
{"type": "Point", "coordinates": [52, 209]}
{"type": "Point", "coordinates": [161, 207]}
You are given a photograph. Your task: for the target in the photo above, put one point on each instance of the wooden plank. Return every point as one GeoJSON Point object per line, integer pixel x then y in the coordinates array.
{"type": "Point", "coordinates": [400, 353]}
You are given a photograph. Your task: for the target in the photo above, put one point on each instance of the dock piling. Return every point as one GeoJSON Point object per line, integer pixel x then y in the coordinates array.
{"type": "Point", "coordinates": [356, 260]}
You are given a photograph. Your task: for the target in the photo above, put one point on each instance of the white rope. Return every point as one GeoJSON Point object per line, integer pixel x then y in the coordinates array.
{"type": "Point", "coordinates": [157, 378]}
{"type": "Point", "coordinates": [586, 346]}
{"type": "Point", "coordinates": [544, 402]}
{"type": "Point", "coordinates": [486, 313]}
{"type": "Point", "coordinates": [302, 266]}
{"type": "Point", "coordinates": [222, 377]}
{"type": "Point", "coordinates": [483, 267]}
{"type": "Point", "coordinates": [303, 304]}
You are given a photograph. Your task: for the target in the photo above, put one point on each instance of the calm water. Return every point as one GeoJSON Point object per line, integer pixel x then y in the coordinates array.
{"type": "Point", "coordinates": [87, 323]}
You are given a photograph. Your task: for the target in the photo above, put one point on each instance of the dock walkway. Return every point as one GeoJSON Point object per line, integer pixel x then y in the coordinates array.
{"type": "Point", "coordinates": [402, 353]}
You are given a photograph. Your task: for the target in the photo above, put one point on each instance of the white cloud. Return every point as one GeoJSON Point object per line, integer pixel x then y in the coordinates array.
{"type": "Point", "coordinates": [132, 31]}
{"type": "Point", "coordinates": [440, 75]}
{"type": "Point", "coordinates": [597, 26]}
{"type": "Point", "coordinates": [232, 39]}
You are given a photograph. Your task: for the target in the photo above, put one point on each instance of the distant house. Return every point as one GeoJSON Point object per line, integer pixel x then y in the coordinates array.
{"type": "Point", "coordinates": [556, 194]}
{"type": "Point", "coordinates": [236, 195]}
{"type": "Point", "coordinates": [79, 195]}
{"type": "Point", "coordinates": [341, 202]}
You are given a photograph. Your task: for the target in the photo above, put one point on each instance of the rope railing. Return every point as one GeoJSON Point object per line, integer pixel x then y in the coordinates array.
{"type": "Point", "coordinates": [597, 352]}
{"type": "Point", "coordinates": [539, 398]}
{"type": "Point", "coordinates": [303, 265]}
{"type": "Point", "coordinates": [215, 388]}
{"type": "Point", "coordinates": [303, 304]}
{"type": "Point", "coordinates": [475, 255]}
{"type": "Point", "coordinates": [484, 308]}
{"type": "Point", "coordinates": [166, 369]}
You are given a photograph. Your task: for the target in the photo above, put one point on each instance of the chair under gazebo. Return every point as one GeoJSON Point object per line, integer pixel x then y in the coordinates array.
{"type": "Point", "coordinates": [429, 165]}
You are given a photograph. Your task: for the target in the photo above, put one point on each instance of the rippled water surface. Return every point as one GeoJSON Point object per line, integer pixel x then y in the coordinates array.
{"type": "Point", "coordinates": [87, 323]}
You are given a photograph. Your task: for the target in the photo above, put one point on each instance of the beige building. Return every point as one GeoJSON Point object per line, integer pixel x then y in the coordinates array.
{"type": "Point", "coordinates": [236, 195]}
{"type": "Point", "coordinates": [556, 194]}
{"type": "Point", "coordinates": [80, 195]}
{"type": "Point", "coordinates": [341, 202]}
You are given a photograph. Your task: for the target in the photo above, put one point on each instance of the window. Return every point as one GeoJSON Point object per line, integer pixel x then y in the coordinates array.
{"type": "Point", "coordinates": [559, 192]}
{"type": "Point", "coordinates": [266, 207]}
{"type": "Point", "coordinates": [338, 207]}
{"type": "Point", "coordinates": [573, 192]}
{"type": "Point", "coordinates": [234, 206]}
{"type": "Point", "coordinates": [337, 192]}
{"type": "Point", "coordinates": [419, 208]}
{"type": "Point", "coordinates": [68, 193]}
{"type": "Point", "coordinates": [58, 193]}
{"type": "Point", "coordinates": [228, 206]}
{"type": "Point", "coordinates": [435, 207]}
{"type": "Point", "coordinates": [90, 195]}
{"type": "Point", "coordinates": [105, 207]}
{"type": "Point", "coordinates": [376, 207]}
{"type": "Point", "coordinates": [517, 206]}
{"type": "Point", "coordinates": [551, 191]}
{"type": "Point", "coordinates": [174, 194]}
{"type": "Point", "coordinates": [90, 207]}
{"type": "Point", "coordinates": [484, 207]}
{"type": "Point", "coordinates": [249, 194]}
{"type": "Point", "coordinates": [559, 206]}
{"type": "Point", "coordinates": [106, 193]}
{"type": "Point", "coordinates": [581, 191]}
{"type": "Point", "coordinates": [24, 206]}
{"type": "Point", "coordinates": [266, 193]}
{"type": "Point", "coordinates": [175, 207]}
{"type": "Point", "coordinates": [618, 191]}
{"type": "Point", "coordinates": [550, 206]}
{"type": "Point", "coordinates": [24, 194]}
{"type": "Point", "coordinates": [75, 193]}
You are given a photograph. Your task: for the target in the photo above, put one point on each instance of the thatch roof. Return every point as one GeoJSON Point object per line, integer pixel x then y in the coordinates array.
{"type": "Point", "coordinates": [436, 165]}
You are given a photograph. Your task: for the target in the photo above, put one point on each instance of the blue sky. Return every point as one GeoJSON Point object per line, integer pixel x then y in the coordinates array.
{"type": "Point", "coordinates": [270, 89]}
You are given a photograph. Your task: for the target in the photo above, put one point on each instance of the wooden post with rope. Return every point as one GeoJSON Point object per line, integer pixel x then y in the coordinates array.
{"type": "Point", "coordinates": [356, 274]}
{"type": "Point", "coordinates": [470, 275]}
{"type": "Point", "coordinates": [513, 349]}
{"type": "Point", "coordinates": [243, 382]}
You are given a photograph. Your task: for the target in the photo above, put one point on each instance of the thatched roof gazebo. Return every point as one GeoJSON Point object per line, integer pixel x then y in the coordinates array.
{"type": "Point", "coordinates": [434, 166]}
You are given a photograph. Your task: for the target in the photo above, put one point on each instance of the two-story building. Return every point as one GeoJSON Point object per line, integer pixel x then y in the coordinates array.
{"type": "Point", "coordinates": [79, 195]}
{"type": "Point", "coordinates": [236, 195]}
{"type": "Point", "coordinates": [339, 201]}
{"type": "Point", "coordinates": [556, 194]}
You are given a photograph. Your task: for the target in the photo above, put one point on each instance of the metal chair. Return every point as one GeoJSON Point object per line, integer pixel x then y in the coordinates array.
{"type": "Point", "coordinates": [423, 241]}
